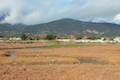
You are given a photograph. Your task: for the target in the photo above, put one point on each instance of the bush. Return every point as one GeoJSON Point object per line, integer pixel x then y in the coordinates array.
{"type": "Point", "coordinates": [93, 38]}
{"type": "Point", "coordinates": [79, 37]}
{"type": "Point", "coordinates": [24, 37]}
{"type": "Point", "coordinates": [50, 37]}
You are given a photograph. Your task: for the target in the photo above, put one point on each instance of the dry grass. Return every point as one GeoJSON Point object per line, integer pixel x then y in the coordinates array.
{"type": "Point", "coordinates": [20, 45]}
{"type": "Point", "coordinates": [88, 62]}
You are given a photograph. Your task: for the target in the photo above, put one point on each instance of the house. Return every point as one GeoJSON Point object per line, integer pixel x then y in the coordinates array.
{"type": "Point", "coordinates": [91, 41]}
{"type": "Point", "coordinates": [15, 39]}
{"type": "Point", "coordinates": [1, 39]}
{"type": "Point", "coordinates": [63, 40]}
{"type": "Point", "coordinates": [82, 40]}
{"type": "Point", "coordinates": [117, 39]}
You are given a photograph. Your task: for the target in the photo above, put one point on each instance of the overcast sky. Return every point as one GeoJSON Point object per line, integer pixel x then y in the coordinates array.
{"type": "Point", "coordinates": [41, 11]}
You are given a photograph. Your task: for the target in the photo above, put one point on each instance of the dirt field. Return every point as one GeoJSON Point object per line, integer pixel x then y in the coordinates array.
{"type": "Point", "coordinates": [82, 62]}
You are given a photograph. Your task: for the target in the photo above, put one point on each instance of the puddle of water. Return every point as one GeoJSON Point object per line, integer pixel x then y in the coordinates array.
{"type": "Point", "coordinates": [90, 61]}
{"type": "Point", "coordinates": [10, 54]}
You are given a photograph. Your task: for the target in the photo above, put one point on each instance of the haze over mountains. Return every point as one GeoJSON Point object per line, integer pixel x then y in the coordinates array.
{"type": "Point", "coordinates": [63, 26]}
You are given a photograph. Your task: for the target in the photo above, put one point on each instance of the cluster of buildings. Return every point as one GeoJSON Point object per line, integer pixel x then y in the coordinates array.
{"type": "Point", "coordinates": [102, 40]}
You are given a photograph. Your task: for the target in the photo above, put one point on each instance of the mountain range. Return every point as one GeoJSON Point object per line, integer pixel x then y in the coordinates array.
{"type": "Point", "coordinates": [63, 26]}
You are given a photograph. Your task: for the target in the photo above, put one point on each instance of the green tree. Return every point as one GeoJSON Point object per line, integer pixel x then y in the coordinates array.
{"type": "Point", "coordinates": [93, 38]}
{"type": "Point", "coordinates": [24, 37]}
{"type": "Point", "coordinates": [50, 37]}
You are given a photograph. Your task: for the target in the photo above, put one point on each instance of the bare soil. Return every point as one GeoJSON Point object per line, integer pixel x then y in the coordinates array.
{"type": "Point", "coordinates": [87, 62]}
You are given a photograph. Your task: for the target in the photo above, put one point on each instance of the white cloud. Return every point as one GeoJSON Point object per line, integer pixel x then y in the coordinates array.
{"type": "Point", "coordinates": [40, 11]}
{"type": "Point", "coordinates": [116, 19]}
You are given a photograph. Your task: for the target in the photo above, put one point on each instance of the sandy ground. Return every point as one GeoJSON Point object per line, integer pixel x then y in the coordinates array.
{"type": "Point", "coordinates": [89, 62]}
{"type": "Point", "coordinates": [60, 72]}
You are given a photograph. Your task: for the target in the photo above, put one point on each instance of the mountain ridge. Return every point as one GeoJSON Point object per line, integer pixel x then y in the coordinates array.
{"type": "Point", "coordinates": [64, 26]}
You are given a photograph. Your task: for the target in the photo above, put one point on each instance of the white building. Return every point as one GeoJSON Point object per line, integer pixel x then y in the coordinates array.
{"type": "Point", "coordinates": [82, 40]}
{"type": "Point", "coordinates": [117, 39]}
{"type": "Point", "coordinates": [15, 39]}
{"type": "Point", "coordinates": [63, 40]}
{"type": "Point", "coordinates": [102, 40]}
{"type": "Point", "coordinates": [1, 39]}
{"type": "Point", "coordinates": [91, 41]}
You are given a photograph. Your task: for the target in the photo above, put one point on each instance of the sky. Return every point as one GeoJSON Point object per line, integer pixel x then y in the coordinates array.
{"type": "Point", "coordinates": [41, 11]}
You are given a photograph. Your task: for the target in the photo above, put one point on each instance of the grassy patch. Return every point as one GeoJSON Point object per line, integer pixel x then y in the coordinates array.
{"type": "Point", "coordinates": [61, 46]}
{"type": "Point", "coordinates": [55, 44]}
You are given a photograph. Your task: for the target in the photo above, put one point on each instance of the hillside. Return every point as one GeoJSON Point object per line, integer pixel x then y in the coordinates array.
{"type": "Point", "coordinates": [63, 26]}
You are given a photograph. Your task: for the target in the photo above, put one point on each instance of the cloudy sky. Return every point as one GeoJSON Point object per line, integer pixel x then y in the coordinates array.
{"type": "Point", "coordinates": [41, 11]}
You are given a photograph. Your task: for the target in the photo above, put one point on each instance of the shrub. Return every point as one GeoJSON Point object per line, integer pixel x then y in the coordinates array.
{"type": "Point", "coordinates": [50, 37]}
{"type": "Point", "coordinates": [24, 37]}
{"type": "Point", "coordinates": [93, 38]}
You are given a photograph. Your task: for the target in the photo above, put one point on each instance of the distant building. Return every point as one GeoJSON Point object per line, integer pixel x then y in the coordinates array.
{"type": "Point", "coordinates": [83, 40]}
{"type": "Point", "coordinates": [63, 40]}
{"type": "Point", "coordinates": [39, 36]}
{"type": "Point", "coordinates": [1, 38]}
{"type": "Point", "coordinates": [15, 39]}
{"type": "Point", "coordinates": [91, 41]}
{"type": "Point", "coordinates": [117, 39]}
